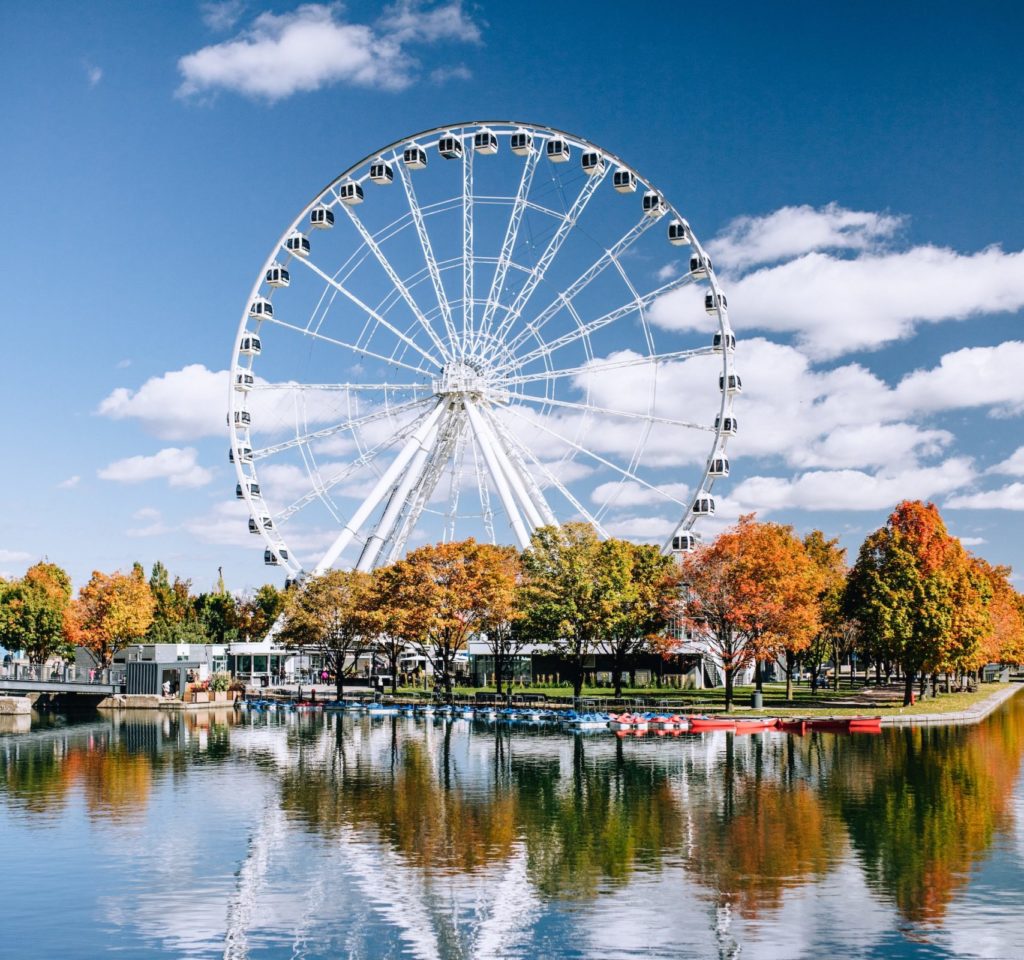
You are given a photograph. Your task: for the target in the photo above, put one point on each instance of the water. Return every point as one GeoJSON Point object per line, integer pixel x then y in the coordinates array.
{"type": "Point", "coordinates": [214, 835]}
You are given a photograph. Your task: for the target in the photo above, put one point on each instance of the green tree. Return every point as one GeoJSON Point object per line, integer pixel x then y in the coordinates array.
{"type": "Point", "coordinates": [836, 633]}
{"type": "Point", "coordinates": [332, 612]}
{"type": "Point", "coordinates": [257, 613]}
{"type": "Point", "coordinates": [33, 611]}
{"type": "Point", "coordinates": [901, 589]}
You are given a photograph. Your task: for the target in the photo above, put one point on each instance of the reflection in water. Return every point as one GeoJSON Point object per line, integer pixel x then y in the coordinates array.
{"type": "Point", "coordinates": [392, 837]}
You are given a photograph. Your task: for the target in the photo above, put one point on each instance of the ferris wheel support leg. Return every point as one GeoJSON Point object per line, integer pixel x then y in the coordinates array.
{"type": "Point", "coordinates": [514, 454]}
{"type": "Point", "coordinates": [399, 497]}
{"type": "Point", "coordinates": [530, 508]}
{"type": "Point", "coordinates": [379, 491]}
{"type": "Point", "coordinates": [484, 439]}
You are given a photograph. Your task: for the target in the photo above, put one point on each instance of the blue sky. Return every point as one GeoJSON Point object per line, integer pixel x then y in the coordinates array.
{"type": "Point", "coordinates": [856, 173]}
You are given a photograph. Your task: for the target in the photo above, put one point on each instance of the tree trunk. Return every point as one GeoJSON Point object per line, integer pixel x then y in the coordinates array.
{"type": "Point", "coordinates": [835, 665]}
{"type": "Point", "coordinates": [617, 672]}
{"type": "Point", "coordinates": [790, 660]}
{"type": "Point", "coordinates": [499, 671]}
{"type": "Point", "coordinates": [758, 678]}
{"type": "Point", "coordinates": [728, 687]}
{"type": "Point", "coordinates": [339, 684]}
{"type": "Point", "coordinates": [908, 687]}
{"type": "Point", "coordinates": [577, 680]}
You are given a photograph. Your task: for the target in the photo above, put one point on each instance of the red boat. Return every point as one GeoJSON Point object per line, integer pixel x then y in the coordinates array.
{"type": "Point", "coordinates": [799, 727]}
{"type": "Point", "coordinates": [744, 725]}
{"type": "Point", "coordinates": [699, 724]}
{"type": "Point", "coordinates": [847, 724]}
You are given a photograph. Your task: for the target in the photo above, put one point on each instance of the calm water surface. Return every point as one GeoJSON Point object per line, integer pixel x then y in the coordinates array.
{"type": "Point", "coordinates": [295, 836]}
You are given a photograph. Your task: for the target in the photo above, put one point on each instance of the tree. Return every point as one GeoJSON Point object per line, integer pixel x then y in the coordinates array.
{"type": "Point", "coordinates": [441, 595]}
{"type": "Point", "coordinates": [901, 589]}
{"type": "Point", "coordinates": [113, 611]}
{"type": "Point", "coordinates": [33, 612]}
{"type": "Point", "coordinates": [709, 605]}
{"type": "Point", "coordinates": [640, 595]}
{"type": "Point", "coordinates": [503, 632]}
{"type": "Point", "coordinates": [256, 614]}
{"type": "Point", "coordinates": [331, 612]}
{"type": "Point", "coordinates": [836, 633]}
{"type": "Point", "coordinates": [776, 586]}
{"type": "Point", "coordinates": [564, 599]}
{"type": "Point", "coordinates": [1003, 641]}
{"type": "Point", "coordinates": [218, 614]}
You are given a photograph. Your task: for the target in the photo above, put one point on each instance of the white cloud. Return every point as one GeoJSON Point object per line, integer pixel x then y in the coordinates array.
{"type": "Point", "coordinates": [14, 556]}
{"type": "Point", "coordinates": [93, 74]}
{"type": "Point", "coordinates": [628, 493]}
{"type": "Point", "coordinates": [1010, 497]}
{"type": "Point", "coordinates": [313, 47]}
{"type": "Point", "coordinates": [834, 305]}
{"type": "Point", "coordinates": [853, 489]}
{"type": "Point", "coordinates": [972, 541]}
{"type": "Point", "coordinates": [70, 483]}
{"type": "Point", "coordinates": [667, 272]}
{"type": "Point", "coordinates": [793, 231]}
{"type": "Point", "coordinates": [972, 377]}
{"type": "Point", "coordinates": [221, 15]}
{"type": "Point", "coordinates": [152, 524]}
{"type": "Point", "coordinates": [124, 364]}
{"type": "Point", "coordinates": [177, 465]}
{"type": "Point", "coordinates": [1013, 465]}
{"type": "Point", "coordinates": [647, 529]}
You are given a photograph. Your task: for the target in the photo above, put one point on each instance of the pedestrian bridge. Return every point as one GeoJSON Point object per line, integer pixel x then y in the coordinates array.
{"type": "Point", "coordinates": [23, 681]}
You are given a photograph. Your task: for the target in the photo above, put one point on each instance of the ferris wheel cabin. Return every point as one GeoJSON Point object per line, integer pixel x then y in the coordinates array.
{"type": "Point", "coordinates": [381, 172]}
{"type": "Point", "coordinates": [264, 522]}
{"type": "Point", "coordinates": [414, 157]}
{"type": "Point", "coordinates": [732, 384]}
{"type": "Point", "coordinates": [321, 218]}
{"type": "Point", "coordinates": [261, 309]}
{"type": "Point", "coordinates": [249, 345]}
{"type": "Point", "coordinates": [679, 233]}
{"type": "Point", "coordinates": [700, 265]}
{"type": "Point", "coordinates": [252, 488]}
{"type": "Point", "coordinates": [729, 425]}
{"type": "Point", "coordinates": [244, 381]}
{"type": "Point", "coordinates": [685, 543]}
{"type": "Point", "coordinates": [520, 143]}
{"type": "Point", "coordinates": [277, 276]}
{"type": "Point", "coordinates": [730, 342]}
{"type": "Point", "coordinates": [297, 245]}
{"type": "Point", "coordinates": [272, 559]}
{"type": "Point", "coordinates": [244, 454]}
{"type": "Point", "coordinates": [719, 467]}
{"type": "Point", "coordinates": [704, 506]}
{"type": "Point", "coordinates": [450, 147]}
{"type": "Point", "coordinates": [351, 193]}
{"type": "Point", "coordinates": [624, 181]}
{"type": "Point", "coordinates": [654, 204]}
{"type": "Point", "coordinates": [242, 418]}
{"type": "Point", "coordinates": [712, 302]}
{"type": "Point", "coordinates": [558, 150]}
{"type": "Point", "coordinates": [484, 141]}
{"type": "Point", "coordinates": [592, 163]}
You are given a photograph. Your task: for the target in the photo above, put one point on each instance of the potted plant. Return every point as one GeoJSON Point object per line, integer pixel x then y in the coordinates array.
{"type": "Point", "coordinates": [219, 684]}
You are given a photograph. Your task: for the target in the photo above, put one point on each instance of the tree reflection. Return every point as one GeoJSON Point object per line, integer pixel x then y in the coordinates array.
{"type": "Point", "coordinates": [923, 811]}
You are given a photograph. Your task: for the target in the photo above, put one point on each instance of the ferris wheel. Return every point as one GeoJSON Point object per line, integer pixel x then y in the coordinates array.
{"type": "Point", "coordinates": [476, 331]}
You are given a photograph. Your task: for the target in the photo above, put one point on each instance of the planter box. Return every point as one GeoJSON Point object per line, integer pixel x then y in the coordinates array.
{"type": "Point", "coordinates": [220, 696]}
{"type": "Point", "coordinates": [200, 696]}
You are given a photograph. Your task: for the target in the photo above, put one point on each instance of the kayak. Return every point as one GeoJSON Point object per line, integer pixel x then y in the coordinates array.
{"type": "Point", "coordinates": [744, 725]}
{"type": "Point", "coordinates": [700, 724]}
{"type": "Point", "coordinates": [847, 724]}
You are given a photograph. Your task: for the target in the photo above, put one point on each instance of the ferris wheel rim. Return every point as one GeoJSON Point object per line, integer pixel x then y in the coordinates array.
{"type": "Point", "coordinates": [465, 130]}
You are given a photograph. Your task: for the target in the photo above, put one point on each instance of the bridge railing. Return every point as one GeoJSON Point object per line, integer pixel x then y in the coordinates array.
{"type": "Point", "coordinates": [40, 673]}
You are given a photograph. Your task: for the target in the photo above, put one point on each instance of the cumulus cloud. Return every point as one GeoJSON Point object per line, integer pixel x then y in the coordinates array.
{"type": "Point", "coordinates": [14, 556]}
{"type": "Point", "coordinates": [151, 524]}
{"type": "Point", "coordinates": [221, 15]}
{"type": "Point", "coordinates": [793, 231]}
{"type": "Point", "coordinates": [177, 465]}
{"type": "Point", "coordinates": [1013, 465]}
{"type": "Point", "coordinates": [1010, 497]}
{"type": "Point", "coordinates": [972, 541]}
{"type": "Point", "coordinates": [70, 483]}
{"type": "Point", "coordinates": [313, 46]}
{"type": "Point", "coordinates": [834, 305]}
{"type": "Point", "coordinates": [853, 489]}
{"type": "Point", "coordinates": [93, 74]}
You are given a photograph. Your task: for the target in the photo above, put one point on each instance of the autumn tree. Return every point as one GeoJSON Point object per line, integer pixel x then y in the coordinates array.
{"type": "Point", "coordinates": [775, 593]}
{"type": "Point", "coordinates": [901, 589]}
{"type": "Point", "coordinates": [256, 613]}
{"type": "Point", "coordinates": [331, 612]}
{"type": "Point", "coordinates": [709, 605]}
{"type": "Point", "coordinates": [565, 602]}
{"type": "Point", "coordinates": [113, 611]}
{"type": "Point", "coordinates": [639, 590]}
{"type": "Point", "coordinates": [33, 611]}
{"type": "Point", "coordinates": [441, 595]}
{"type": "Point", "coordinates": [836, 633]}
{"type": "Point", "coordinates": [1003, 641]}
{"type": "Point", "coordinates": [502, 632]}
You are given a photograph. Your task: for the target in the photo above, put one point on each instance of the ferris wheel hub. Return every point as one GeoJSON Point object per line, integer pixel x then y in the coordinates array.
{"type": "Point", "coordinates": [469, 378]}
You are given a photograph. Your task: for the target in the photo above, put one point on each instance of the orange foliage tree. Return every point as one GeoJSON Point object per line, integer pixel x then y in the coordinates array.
{"type": "Point", "coordinates": [1003, 642]}
{"type": "Point", "coordinates": [112, 611]}
{"type": "Point", "coordinates": [776, 593]}
{"type": "Point", "coordinates": [440, 595]}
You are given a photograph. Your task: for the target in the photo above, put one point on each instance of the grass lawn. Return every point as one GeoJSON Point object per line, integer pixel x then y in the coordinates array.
{"type": "Point", "coordinates": [871, 700]}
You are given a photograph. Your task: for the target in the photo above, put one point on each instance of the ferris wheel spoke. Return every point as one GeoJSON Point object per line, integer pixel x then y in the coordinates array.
{"type": "Point", "coordinates": [364, 459]}
{"type": "Point", "coordinates": [344, 387]}
{"type": "Point", "coordinates": [467, 245]}
{"type": "Point", "coordinates": [393, 276]}
{"type": "Point", "coordinates": [514, 454]}
{"type": "Point", "coordinates": [369, 311]}
{"type": "Point", "coordinates": [428, 252]}
{"type": "Point", "coordinates": [263, 452]}
{"type": "Point", "coordinates": [364, 351]}
{"type": "Point", "coordinates": [626, 414]}
{"type": "Point", "coordinates": [627, 474]}
{"type": "Point", "coordinates": [455, 485]}
{"type": "Point", "coordinates": [483, 491]}
{"type": "Point", "coordinates": [581, 332]}
{"type": "Point", "coordinates": [564, 298]}
{"type": "Point", "coordinates": [552, 479]}
{"type": "Point", "coordinates": [602, 366]}
{"type": "Point", "coordinates": [511, 236]}
{"type": "Point", "coordinates": [550, 252]}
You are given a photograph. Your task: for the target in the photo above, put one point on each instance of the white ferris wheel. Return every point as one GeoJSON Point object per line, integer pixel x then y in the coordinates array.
{"type": "Point", "coordinates": [476, 331]}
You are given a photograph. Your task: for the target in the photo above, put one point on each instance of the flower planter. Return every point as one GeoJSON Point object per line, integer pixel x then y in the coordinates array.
{"type": "Point", "coordinates": [200, 696]}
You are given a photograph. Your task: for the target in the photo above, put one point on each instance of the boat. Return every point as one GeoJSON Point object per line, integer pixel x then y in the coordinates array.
{"type": "Point", "coordinates": [755, 724]}
{"type": "Point", "coordinates": [674, 722]}
{"type": "Point", "coordinates": [701, 724]}
{"type": "Point", "coordinates": [587, 721]}
{"type": "Point", "coordinates": [797, 726]}
{"type": "Point", "coordinates": [381, 710]}
{"type": "Point", "coordinates": [628, 721]}
{"type": "Point", "coordinates": [846, 724]}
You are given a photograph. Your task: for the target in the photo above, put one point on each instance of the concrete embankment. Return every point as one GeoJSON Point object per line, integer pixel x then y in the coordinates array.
{"type": "Point", "coordinates": [973, 715]}
{"type": "Point", "coordinates": [15, 705]}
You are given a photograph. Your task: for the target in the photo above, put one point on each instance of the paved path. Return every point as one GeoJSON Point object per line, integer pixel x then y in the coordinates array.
{"type": "Point", "coordinates": [974, 715]}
